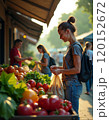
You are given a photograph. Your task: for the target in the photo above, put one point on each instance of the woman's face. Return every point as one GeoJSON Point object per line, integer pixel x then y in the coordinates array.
{"type": "Point", "coordinates": [90, 47]}
{"type": "Point", "coordinates": [40, 50]}
{"type": "Point", "coordinates": [64, 35]}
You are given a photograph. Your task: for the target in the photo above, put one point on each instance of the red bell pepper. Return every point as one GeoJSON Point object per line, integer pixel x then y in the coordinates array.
{"type": "Point", "coordinates": [49, 102]}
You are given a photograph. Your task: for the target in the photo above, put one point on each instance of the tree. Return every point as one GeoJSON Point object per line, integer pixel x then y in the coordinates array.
{"type": "Point", "coordinates": [82, 22]}
{"type": "Point", "coordinates": [88, 7]}
{"type": "Point", "coordinates": [54, 39]}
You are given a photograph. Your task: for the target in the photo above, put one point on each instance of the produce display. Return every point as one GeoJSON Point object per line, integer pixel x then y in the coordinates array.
{"type": "Point", "coordinates": [26, 93]}
{"type": "Point", "coordinates": [49, 102]}
{"type": "Point", "coordinates": [10, 94]}
{"type": "Point", "coordinates": [37, 77]}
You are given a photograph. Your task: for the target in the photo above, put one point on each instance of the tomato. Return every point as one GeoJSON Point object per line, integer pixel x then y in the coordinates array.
{"type": "Point", "coordinates": [32, 82]}
{"type": "Point", "coordinates": [30, 94]}
{"type": "Point", "coordinates": [49, 103]}
{"type": "Point", "coordinates": [33, 88]}
{"type": "Point", "coordinates": [62, 111]}
{"type": "Point", "coordinates": [24, 109]}
{"type": "Point", "coordinates": [25, 73]}
{"type": "Point", "coordinates": [59, 111]}
{"type": "Point", "coordinates": [38, 85]}
{"type": "Point", "coordinates": [66, 105]}
{"type": "Point", "coordinates": [1, 69]}
{"type": "Point", "coordinates": [67, 113]}
{"type": "Point", "coordinates": [16, 78]}
{"type": "Point", "coordinates": [28, 101]}
{"type": "Point", "coordinates": [40, 112]}
{"type": "Point", "coordinates": [28, 85]}
{"type": "Point", "coordinates": [69, 104]}
{"type": "Point", "coordinates": [5, 69]}
{"type": "Point", "coordinates": [41, 88]}
{"type": "Point", "coordinates": [10, 69]}
{"type": "Point", "coordinates": [46, 87]}
{"type": "Point", "coordinates": [16, 67]}
{"type": "Point", "coordinates": [21, 73]}
{"type": "Point", "coordinates": [16, 72]}
{"type": "Point", "coordinates": [20, 77]}
{"type": "Point", "coordinates": [35, 105]}
{"type": "Point", "coordinates": [53, 113]}
{"type": "Point", "coordinates": [20, 69]}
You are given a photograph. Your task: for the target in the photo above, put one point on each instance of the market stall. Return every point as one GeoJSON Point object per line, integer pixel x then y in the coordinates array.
{"type": "Point", "coordinates": [26, 94]}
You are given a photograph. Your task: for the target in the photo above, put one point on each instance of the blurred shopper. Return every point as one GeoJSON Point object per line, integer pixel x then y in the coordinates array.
{"type": "Point", "coordinates": [54, 55]}
{"type": "Point", "coordinates": [60, 58]}
{"type": "Point", "coordinates": [15, 55]}
{"type": "Point", "coordinates": [71, 63]}
{"type": "Point", "coordinates": [89, 52]}
{"type": "Point", "coordinates": [44, 63]}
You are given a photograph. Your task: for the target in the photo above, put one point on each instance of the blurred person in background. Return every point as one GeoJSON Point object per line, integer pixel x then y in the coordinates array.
{"type": "Point", "coordinates": [60, 58]}
{"type": "Point", "coordinates": [44, 62]}
{"type": "Point", "coordinates": [15, 55]}
{"type": "Point", "coordinates": [89, 52]}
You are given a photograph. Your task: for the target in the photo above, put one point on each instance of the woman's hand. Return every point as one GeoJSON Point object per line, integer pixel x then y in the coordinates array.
{"type": "Point", "coordinates": [53, 67]}
{"type": "Point", "coordinates": [57, 71]}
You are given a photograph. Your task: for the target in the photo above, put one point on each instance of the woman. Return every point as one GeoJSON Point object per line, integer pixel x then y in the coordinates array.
{"type": "Point", "coordinates": [45, 60]}
{"type": "Point", "coordinates": [71, 63]}
{"type": "Point", "coordinates": [89, 52]}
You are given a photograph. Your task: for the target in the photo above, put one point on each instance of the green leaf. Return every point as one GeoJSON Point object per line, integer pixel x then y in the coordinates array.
{"type": "Point", "coordinates": [20, 84]}
{"type": "Point", "coordinates": [7, 106]}
{"type": "Point", "coordinates": [3, 78]}
{"type": "Point", "coordinates": [12, 80]}
{"type": "Point", "coordinates": [8, 78]}
{"type": "Point", "coordinates": [18, 93]}
{"type": "Point", "coordinates": [11, 87]}
{"type": "Point", "coordinates": [3, 90]}
{"type": "Point", "coordinates": [4, 65]}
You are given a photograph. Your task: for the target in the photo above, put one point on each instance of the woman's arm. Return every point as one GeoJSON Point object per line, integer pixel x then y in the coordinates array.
{"type": "Point", "coordinates": [45, 63]}
{"type": "Point", "coordinates": [77, 66]}
{"type": "Point", "coordinates": [54, 67]}
{"type": "Point", "coordinates": [75, 70]}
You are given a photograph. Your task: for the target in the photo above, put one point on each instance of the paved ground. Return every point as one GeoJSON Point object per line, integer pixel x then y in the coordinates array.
{"type": "Point", "coordinates": [86, 105]}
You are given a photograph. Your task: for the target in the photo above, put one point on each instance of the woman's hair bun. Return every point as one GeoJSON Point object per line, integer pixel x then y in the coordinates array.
{"type": "Point", "coordinates": [71, 19]}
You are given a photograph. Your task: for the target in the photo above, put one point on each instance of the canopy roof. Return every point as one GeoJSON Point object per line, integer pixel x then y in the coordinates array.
{"type": "Point", "coordinates": [26, 26]}
{"type": "Point", "coordinates": [42, 10]}
{"type": "Point", "coordinates": [89, 38]}
{"type": "Point", "coordinates": [85, 37]}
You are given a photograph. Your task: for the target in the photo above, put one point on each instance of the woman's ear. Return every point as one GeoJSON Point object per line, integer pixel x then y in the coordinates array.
{"type": "Point", "coordinates": [67, 31]}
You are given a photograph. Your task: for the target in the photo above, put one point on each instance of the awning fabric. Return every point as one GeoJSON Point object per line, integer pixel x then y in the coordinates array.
{"type": "Point", "coordinates": [42, 10]}
{"type": "Point", "coordinates": [85, 37]}
{"type": "Point", "coordinates": [26, 26]}
{"type": "Point", "coordinates": [89, 37]}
